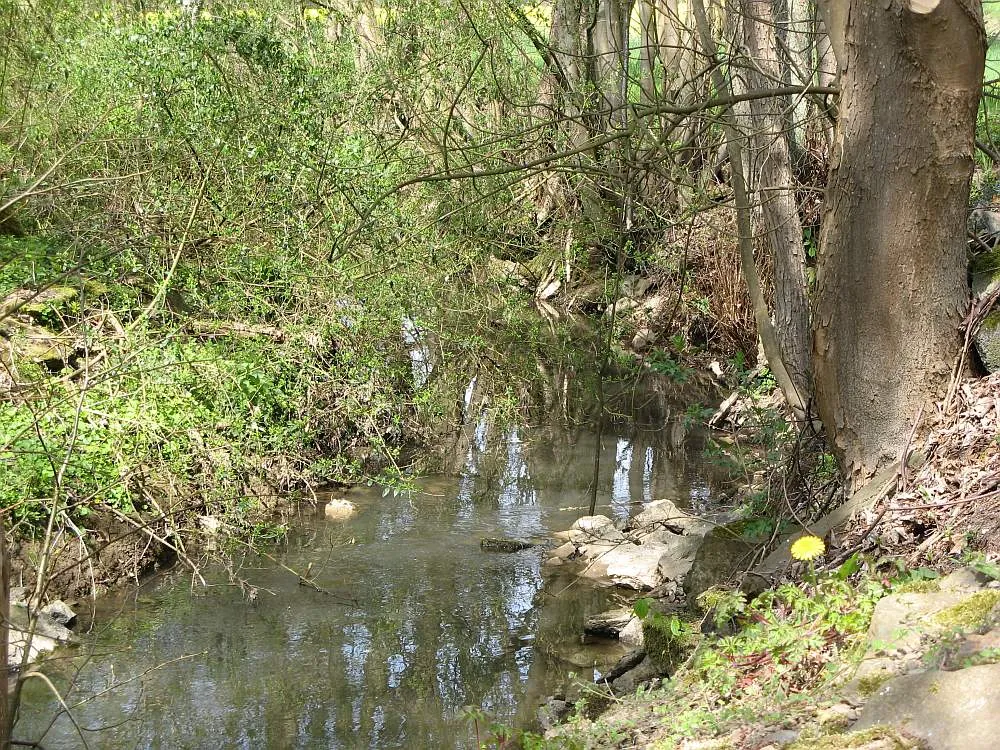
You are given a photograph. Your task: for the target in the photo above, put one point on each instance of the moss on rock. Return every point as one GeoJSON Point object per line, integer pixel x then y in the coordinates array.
{"type": "Point", "coordinates": [668, 641]}
{"type": "Point", "coordinates": [882, 738]}
{"type": "Point", "coordinates": [971, 613]}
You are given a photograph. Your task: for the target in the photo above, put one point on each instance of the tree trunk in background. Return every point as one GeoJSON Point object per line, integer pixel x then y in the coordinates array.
{"type": "Point", "coordinates": [891, 277]}
{"type": "Point", "coordinates": [648, 51]}
{"type": "Point", "coordinates": [826, 75]}
{"type": "Point", "coordinates": [771, 175]}
{"type": "Point", "coordinates": [609, 41]}
{"type": "Point", "coordinates": [561, 100]}
{"type": "Point", "coordinates": [6, 712]}
{"type": "Point", "coordinates": [801, 69]}
{"type": "Point", "coordinates": [678, 43]}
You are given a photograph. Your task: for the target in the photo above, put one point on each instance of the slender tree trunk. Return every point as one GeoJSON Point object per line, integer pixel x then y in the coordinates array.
{"type": "Point", "coordinates": [610, 49]}
{"type": "Point", "coordinates": [6, 710]}
{"type": "Point", "coordinates": [561, 100]}
{"type": "Point", "coordinates": [891, 278]}
{"type": "Point", "coordinates": [771, 169]}
{"type": "Point", "coordinates": [826, 75]}
{"type": "Point", "coordinates": [765, 329]}
{"type": "Point", "coordinates": [648, 50]}
{"type": "Point", "coordinates": [801, 69]}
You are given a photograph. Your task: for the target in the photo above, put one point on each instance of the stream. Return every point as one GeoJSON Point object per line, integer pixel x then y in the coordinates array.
{"type": "Point", "coordinates": [417, 622]}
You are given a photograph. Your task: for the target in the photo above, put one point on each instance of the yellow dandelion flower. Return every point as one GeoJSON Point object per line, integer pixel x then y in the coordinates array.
{"type": "Point", "coordinates": [808, 548]}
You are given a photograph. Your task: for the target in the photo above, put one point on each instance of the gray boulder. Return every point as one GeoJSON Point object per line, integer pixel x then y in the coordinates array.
{"type": "Point", "coordinates": [985, 224]}
{"type": "Point", "coordinates": [60, 612]}
{"type": "Point", "coordinates": [947, 710]}
{"type": "Point", "coordinates": [664, 514]}
{"type": "Point", "coordinates": [48, 634]}
{"type": "Point", "coordinates": [721, 555]}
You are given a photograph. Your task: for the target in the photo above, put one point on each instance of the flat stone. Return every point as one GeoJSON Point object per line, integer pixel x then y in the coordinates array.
{"type": "Point", "coordinates": [675, 565]}
{"type": "Point", "coordinates": [631, 635]}
{"type": "Point", "coordinates": [48, 634]}
{"type": "Point", "coordinates": [564, 551]}
{"type": "Point", "coordinates": [948, 710]}
{"type": "Point", "coordinates": [899, 619]}
{"type": "Point", "coordinates": [598, 549]}
{"type": "Point", "coordinates": [973, 648]}
{"type": "Point", "coordinates": [720, 555]}
{"type": "Point", "coordinates": [964, 579]}
{"type": "Point", "coordinates": [636, 566]}
{"type": "Point", "coordinates": [655, 536]}
{"type": "Point", "coordinates": [555, 562]}
{"type": "Point", "coordinates": [568, 535]}
{"type": "Point", "coordinates": [604, 533]}
{"type": "Point", "coordinates": [628, 682]}
{"type": "Point", "coordinates": [552, 712]}
{"type": "Point", "coordinates": [607, 624]}
{"type": "Point", "coordinates": [666, 513]}
{"type": "Point", "coordinates": [592, 523]}
{"type": "Point", "coordinates": [596, 569]}
{"type": "Point", "coordinates": [837, 717]}
{"type": "Point", "coordinates": [780, 737]}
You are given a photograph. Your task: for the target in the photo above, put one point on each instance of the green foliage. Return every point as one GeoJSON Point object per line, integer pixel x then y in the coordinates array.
{"type": "Point", "coordinates": [723, 606]}
{"type": "Point", "coordinates": [792, 636]}
{"type": "Point", "coordinates": [666, 364]}
{"type": "Point", "coordinates": [667, 638]}
{"type": "Point", "coordinates": [203, 170]}
{"type": "Point", "coordinates": [978, 562]}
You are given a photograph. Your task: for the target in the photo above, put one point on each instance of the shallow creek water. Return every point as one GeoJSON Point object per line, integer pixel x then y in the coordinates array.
{"type": "Point", "coordinates": [433, 624]}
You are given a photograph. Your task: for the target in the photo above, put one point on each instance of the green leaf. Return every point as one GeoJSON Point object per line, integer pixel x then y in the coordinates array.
{"type": "Point", "coordinates": [985, 567]}
{"type": "Point", "coordinates": [641, 608]}
{"type": "Point", "coordinates": [851, 566]}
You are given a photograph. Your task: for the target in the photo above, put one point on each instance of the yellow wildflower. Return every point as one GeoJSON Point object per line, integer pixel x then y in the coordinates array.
{"type": "Point", "coordinates": [808, 548]}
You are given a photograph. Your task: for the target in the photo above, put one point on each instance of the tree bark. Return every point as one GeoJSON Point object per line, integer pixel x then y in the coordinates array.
{"type": "Point", "coordinates": [649, 47]}
{"type": "Point", "coordinates": [765, 329]}
{"type": "Point", "coordinates": [891, 276]}
{"type": "Point", "coordinates": [771, 170]}
{"type": "Point", "coordinates": [610, 49]}
{"type": "Point", "coordinates": [6, 709]}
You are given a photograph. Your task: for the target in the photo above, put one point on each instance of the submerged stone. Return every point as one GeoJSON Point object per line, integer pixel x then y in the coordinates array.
{"type": "Point", "coordinates": [338, 509]}
{"type": "Point", "coordinates": [490, 544]}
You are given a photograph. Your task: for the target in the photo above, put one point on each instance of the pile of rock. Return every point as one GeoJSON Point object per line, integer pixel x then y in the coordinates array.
{"type": "Point", "coordinates": [652, 550]}
{"type": "Point", "coordinates": [45, 628]}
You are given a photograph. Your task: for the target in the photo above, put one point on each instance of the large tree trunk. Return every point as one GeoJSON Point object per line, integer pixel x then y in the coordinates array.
{"type": "Point", "coordinates": [891, 278]}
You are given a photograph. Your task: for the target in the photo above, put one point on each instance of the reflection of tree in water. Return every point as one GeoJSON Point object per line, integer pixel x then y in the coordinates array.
{"type": "Point", "coordinates": [441, 625]}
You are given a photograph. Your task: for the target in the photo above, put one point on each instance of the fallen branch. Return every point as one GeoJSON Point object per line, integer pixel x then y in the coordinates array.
{"type": "Point", "coordinates": [220, 328]}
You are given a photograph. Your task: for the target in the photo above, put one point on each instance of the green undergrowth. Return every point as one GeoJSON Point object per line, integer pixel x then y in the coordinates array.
{"type": "Point", "coordinates": [790, 646]}
{"type": "Point", "coordinates": [173, 410]}
{"type": "Point", "coordinates": [234, 268]}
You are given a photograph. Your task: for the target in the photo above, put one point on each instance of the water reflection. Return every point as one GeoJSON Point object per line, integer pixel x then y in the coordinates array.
{"type": "Point", "coordinates": [437, 624]}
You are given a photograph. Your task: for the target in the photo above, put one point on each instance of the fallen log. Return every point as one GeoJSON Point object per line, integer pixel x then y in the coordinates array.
{"type": "Point", "coordinates": [220, 328]}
